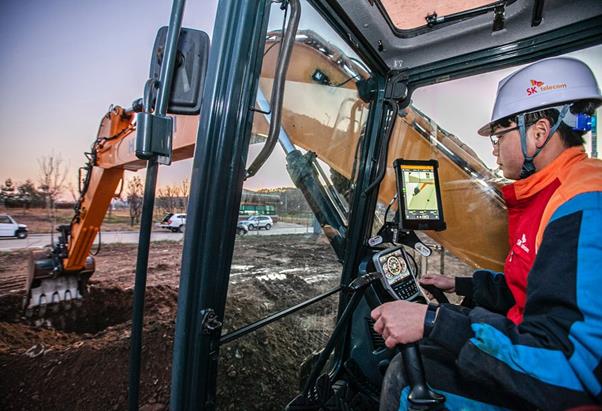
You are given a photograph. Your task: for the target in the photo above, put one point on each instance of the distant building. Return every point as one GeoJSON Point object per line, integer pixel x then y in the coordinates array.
{"type": "Point", "coordinates": [287, 200]}
{"type": "Point", "coordinates": [253, 203]}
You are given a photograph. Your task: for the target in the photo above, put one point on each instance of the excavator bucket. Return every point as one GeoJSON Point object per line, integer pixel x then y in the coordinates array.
{"type": "Point", "coordinates": [48, 286]}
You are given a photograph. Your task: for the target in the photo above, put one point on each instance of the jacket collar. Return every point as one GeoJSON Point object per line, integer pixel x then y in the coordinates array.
{"type": "Point", "coordinates": [542, 178]}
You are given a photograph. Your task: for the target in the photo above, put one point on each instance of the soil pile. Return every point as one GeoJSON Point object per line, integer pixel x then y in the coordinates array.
{"type": "Point", "coordinates": [84, 365]}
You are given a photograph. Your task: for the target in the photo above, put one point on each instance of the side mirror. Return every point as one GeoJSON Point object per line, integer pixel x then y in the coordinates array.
{"type": "Point", "coordinates": [189, 74]}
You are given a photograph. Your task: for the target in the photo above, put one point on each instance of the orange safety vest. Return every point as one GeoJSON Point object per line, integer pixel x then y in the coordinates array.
{"type": "Point", "coordinates": [531, 203]}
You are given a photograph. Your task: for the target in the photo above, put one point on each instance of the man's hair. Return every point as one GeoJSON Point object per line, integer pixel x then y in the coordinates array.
{"type": "Point", "coordinates": [569, 137]}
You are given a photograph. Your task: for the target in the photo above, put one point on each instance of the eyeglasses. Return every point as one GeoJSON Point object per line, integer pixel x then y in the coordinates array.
{"type": "Point", "coordinates": [496, 137]}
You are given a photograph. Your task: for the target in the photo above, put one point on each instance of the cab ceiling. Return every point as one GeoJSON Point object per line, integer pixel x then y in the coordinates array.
{"type": "Point", "coordinates": [403, 50]}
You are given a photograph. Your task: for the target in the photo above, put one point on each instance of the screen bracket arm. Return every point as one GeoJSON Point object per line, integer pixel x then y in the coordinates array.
{"type": "Point", "coordinates": [391, 233]}
{"type": "Point", "coordinates": [410, 239]}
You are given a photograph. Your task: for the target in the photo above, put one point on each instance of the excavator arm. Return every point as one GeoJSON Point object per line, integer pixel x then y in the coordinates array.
{"type": "Point", "coordinates": [60, 275]}
{"type": "Point", "coordinates": [112, 153]}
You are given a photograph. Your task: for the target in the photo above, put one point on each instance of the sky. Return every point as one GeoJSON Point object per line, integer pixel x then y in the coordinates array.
{"type": "Point", "coordinates": [65, 62]}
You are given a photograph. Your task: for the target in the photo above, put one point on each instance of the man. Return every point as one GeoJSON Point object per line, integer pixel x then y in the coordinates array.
{"type": "Point", "coordinates": [534, 341]}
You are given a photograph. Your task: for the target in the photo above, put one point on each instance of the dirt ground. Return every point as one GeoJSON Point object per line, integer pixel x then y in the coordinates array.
{"type": "Point", "coordinates": [84, 365]}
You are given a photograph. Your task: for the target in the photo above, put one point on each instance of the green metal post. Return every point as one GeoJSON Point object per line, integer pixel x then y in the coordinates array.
{"type": "Point", "coordinates": [216, 189]}
{"type": "Point", "coordinates": [146, 222]}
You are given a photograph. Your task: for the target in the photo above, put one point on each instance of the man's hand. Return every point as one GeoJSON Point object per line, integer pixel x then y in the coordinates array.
{"type": "Point", "coordinates": [399, 322]}
{"type": "Point", "coordinates": [443, 283]}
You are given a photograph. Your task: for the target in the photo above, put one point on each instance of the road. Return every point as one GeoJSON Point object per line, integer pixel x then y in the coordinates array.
{"type": "Point", "coordinates": [41, 240]}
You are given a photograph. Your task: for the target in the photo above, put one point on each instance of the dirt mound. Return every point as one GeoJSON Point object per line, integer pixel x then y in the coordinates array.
{"type": "Point", "coordinates": [82, 362]}
{"type": "Point", "coordinates": [75, 370]}
{"type": "Point", "coordinates": [84, 366]}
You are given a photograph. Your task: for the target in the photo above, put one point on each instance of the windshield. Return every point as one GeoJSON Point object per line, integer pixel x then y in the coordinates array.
{"type": "Point", "coordinates": [284, 256]}
{"type": "Point", "coordinates": [462, 106]}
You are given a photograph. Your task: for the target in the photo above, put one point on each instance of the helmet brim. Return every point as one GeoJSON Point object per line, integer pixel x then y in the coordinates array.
{"type": "Point", "coordinates": [486, 130]}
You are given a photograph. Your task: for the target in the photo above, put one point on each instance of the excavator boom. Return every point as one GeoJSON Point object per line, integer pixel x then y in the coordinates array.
{"type": "Point", "coordinates": [60, 275]}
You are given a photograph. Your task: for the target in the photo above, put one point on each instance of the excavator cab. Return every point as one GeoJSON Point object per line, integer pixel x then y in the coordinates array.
{"type": "Point", "coordinates": [335, 125]}
{"type": "Point", "coordinates": [305, 110]}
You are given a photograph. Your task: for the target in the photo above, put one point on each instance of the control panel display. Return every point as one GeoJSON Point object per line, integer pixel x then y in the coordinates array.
{"type": "Point", "coordinates": [419, 195]}
{"type": "Point", "coordinates": [396, 275]}
{"type": "Point", "coordinates": [394, 267]}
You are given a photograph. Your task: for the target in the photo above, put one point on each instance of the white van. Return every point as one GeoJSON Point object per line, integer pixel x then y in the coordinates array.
{"type": "Point", "coordinates": [10, 228]}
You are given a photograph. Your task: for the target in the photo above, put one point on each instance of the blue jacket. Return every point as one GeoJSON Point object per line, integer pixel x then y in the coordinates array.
{"type": "Point", "coordinates": [552, 359]}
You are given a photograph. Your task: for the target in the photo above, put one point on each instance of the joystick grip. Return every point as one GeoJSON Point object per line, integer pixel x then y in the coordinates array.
{"type": "Point", "coordinates": [421, 397]}
{"type": "Point", "coordinates": [436, 292]}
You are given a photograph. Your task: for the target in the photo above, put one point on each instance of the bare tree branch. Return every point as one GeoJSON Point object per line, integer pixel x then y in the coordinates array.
{"type": "Point", "coordinates": [185, 190]}
{"type": "Point", "coordinates": [135, 190]}
{"type": "Point", "coordinates": [52, 181]}
{"type": "Point", "coordinates": [53, 173]}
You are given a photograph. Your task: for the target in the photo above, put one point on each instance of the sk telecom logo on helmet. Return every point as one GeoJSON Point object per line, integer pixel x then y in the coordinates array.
{"type": "Point", "coordinates": [538, 86]}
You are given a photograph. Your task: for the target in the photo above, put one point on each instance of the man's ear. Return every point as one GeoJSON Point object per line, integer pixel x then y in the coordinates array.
{"type": "Point", "coordinates": [541, 129]}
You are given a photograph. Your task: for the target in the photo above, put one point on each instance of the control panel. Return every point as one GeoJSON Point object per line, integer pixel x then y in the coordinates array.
{"type": "Point", "coordinates": [397, 274]}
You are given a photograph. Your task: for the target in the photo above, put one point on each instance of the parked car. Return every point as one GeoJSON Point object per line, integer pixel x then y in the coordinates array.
{"type": "Point", "coordinates": [10, 228]}
{"type": "Point", "coordinates": [257, 222]}
{"type": "Point", "coordinates": [241, 229]}
{"type": "Point", "coordinates": [174, 222]}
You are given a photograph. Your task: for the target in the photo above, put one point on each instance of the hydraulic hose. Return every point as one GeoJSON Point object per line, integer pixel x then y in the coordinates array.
{"type": "Point", "coordinates": [278, 89]}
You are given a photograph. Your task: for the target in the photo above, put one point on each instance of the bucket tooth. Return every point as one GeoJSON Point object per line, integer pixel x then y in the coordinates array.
{"type": "Point", "coordinates": [49, 287]}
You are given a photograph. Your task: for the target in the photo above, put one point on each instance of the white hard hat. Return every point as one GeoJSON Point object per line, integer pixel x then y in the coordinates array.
{"type": "Point", "coordinates": [543, 84]}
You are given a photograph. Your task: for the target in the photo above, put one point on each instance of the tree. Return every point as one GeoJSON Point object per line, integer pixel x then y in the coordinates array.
{"type": "Point", "coordinates": [7, 192]}
{"type": "Point", "coordinates": [185, 190]}
{"type": "Point", "coordinates": [135, 190]}
{"type": "Point", "coordinates": [28, 195]}
{"type": "Point", "coordinates": [20, 195]}
{"type": "Point", "coordinates": [168, 198]}
{"type": "Point", "coordinates": [173, 198]}
{"type": "Point", "coordinates": [52, 177]}
{"type": "Point", "coordinates": [52, 181]}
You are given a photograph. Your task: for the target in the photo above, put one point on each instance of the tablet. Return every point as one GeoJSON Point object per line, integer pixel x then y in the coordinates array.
{"type": "Point", "coordinates": [419, 195]}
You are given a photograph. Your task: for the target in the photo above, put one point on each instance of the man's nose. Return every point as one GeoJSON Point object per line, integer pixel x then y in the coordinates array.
{"type": "Point", "coordinates": [496, 149]}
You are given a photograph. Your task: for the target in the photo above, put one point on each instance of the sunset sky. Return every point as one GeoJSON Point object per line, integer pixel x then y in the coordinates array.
{"type": "Point", "coordinates": [65, 62]}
